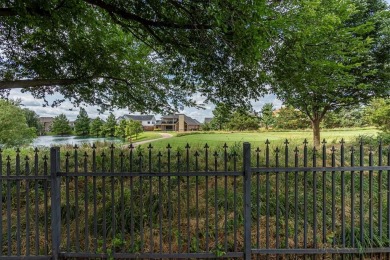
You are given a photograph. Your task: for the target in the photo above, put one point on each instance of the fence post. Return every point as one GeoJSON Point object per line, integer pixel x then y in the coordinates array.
{"type": "Point", "coordinates": [55, 201]}
{"type": "Point", "coordinates": [247, 201]}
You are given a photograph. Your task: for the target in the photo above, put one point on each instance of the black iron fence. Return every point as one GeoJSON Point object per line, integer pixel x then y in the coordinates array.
{"type": "Point", "coordinates": [230, 202]}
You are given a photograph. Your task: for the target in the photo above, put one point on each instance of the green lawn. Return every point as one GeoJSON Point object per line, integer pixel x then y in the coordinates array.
{"type": "Point", "coordinates": [258, 138]}
{"type": "Point", "coordinates": [144, 136]}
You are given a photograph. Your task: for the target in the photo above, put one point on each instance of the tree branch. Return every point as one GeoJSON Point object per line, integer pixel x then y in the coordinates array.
{"type": "Point", "coordinates": [7, 12]}
{"type": "Point", "coordinates": [131, 16]}
{"type": "Point", "coordinates": [36, 83]}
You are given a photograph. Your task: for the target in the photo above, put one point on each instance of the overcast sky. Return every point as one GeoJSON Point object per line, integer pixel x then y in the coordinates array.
{"type": "Point", "coordinates": [71, 112]}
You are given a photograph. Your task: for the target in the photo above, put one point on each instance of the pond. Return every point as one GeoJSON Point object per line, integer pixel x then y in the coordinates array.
{"type": "Point", "coordinates": [73, 140]}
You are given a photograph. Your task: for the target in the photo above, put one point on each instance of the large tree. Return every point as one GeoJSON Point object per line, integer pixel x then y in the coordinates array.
{"type": "Point", "coordinates": [32, 120]}
{"type": "Point", "coordinates": [14, 130]}
{"type": "Point", "coordinates": [108, 128]}
{"type": "Point", "coordinates": [267, 117]}
{"type": "Point", "coordinates": [96, 126]}
{"type": "Point", "coordinates": [327, 60]}
{"type": "Point", "coordinates": [145, 55]}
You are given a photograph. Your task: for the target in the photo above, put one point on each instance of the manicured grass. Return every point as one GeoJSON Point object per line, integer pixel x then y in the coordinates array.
{"type": "Point", "coordinates": [146, 136]}
{"type": "Point", "coordinates": [214, 139]}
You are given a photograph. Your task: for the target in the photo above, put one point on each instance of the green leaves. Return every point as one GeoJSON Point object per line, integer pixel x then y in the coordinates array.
{"type": "Point", "coordinates": [14, 130]}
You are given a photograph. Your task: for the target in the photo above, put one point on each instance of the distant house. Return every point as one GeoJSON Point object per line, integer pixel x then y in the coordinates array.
{"type": "Point", "coordinates": [46, 123]}
{"type": "Point", "coordinates": [177, 122]}
{"type": "Point", "coordinates": [148, 121]}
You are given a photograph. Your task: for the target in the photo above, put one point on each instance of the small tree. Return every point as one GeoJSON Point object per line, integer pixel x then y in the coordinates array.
{"type": "Point", "coordinates": [267, 117]}
{"type": "Point", "coordinates": [32, 120]}
{"type": "Point", "coordinates": [379, 113]}
{"type": "Point", "coordinates": [14, 130]}
{"type": "Point", "coordinates": [120, 129]}
{"type": "Point", "coordinates": [221, 118]}
{"type": "Point", "coordinates": [290, 118]}
{"type": "Point", "coordinates": [134, 128]}
{"type": "Point", "coordinates": [96, 126]}
{"type": "Point", "coordinates": [108, 129]}
{"type": "Point", "coordinates": [81, 125]}
{"type": "Point", "coordinates": [61, 125]}
{"type": "Point", "coordinates": [241, 121]}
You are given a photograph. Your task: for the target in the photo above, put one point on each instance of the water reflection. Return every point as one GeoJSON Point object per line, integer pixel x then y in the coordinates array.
{"type": "Point", "coordinates": [71, 140]}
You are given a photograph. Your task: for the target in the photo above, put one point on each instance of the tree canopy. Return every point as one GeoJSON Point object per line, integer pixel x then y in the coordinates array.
{"type": "Point", "coordinates": [327, 60]}
{"type": "Point", "coordinates": [14, 130]}
{"type": "Point", "coordinates": [61, 125]}
{"type": "Point", "coordinates": [81, 125]}
{"type": "Point", "coordinates": [147, 55]}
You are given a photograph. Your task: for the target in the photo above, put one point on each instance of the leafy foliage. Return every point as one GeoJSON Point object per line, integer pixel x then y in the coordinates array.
{"type": "Point", "coordinates": [14, 130]}
{"type": "Point", "coordinates": [291, 118]}
{"type": "Point", "coordinates": [96, 126]}
{"type": "Point", "coordinates": [133, 128]}
{"type": "Point", "coordinates": [242, 120]}
{"type": "Point", "coordinates": [32, 120]}
{"type": "Point", "coordinates": [266, 117]}
{"type": "Point", "coordinates": [325, 61]}
{"type": "Point", "coordinates": [108, 128]}
{"type": "Point", "coordinates": [379, 113]}
{"type": "Point", "coordinates": [61, 125]}
{"type": "Point", "coordinates": [81, 125]}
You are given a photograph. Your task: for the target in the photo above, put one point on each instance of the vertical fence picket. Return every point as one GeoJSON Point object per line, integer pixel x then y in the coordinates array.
{"type": "Point", "coordinates": [286, 193]}
{"type": "Point", "coordinates": [9, 231]}
{"type": "Point", "coordinates": [94, 170]}
{"type": "Point", "coordinates": [342, 161]}
{"type": "Point", "coordinates": [324, 190]}
{"type": "Point", "coordinates": [314, 198]}
{"type": "Point", "coordinates": [247, 200]}
{"type": "Point", "coordinates": [178, 156]}
{"type": "Point", "coordinates": [113, 208]}
{"type": "Point", "coordinates": [361, 160]}
{"type": "Point", "coordinates": [28, 235]}
{"type": "Point", "coordinates": [333, 156]}
{"type": "Point", "coordinates": [36, 204]}
{"type": "Point", "coordinates": [67, 199]}
{"type": "Point", "coordinates": [380, 199]}
{"type": "Point", "coordinates": [104, 226]}
{"type": "Point", "coordinates": [206, 154]}
{"type": "Point", "coordinates": [169, 200]}
{"type": "Point", "coordinates": [122, 199]}
{"type": "Point", "coordinates": [305, 195]}
{"type": "Point", "coordinates": [267, 199]}
{"type": "Point", "coordinates": [187, 147]}
{"type": "Point", "coordinates": [370, 196]}
{"type": "Point", "coordinates": [132, 196]}
{"type": "Point", "coordinates": [258, 198]}
{"type": "Point", "coordinates": [1, 203]}
{"type": "Point", "coordinates": [296, 163]}
{"type": "Point", "coordinates": [216, 199]}
{"type": "Point", "coordinates": [76, 196]}
{"type": "Point", "coordinates": [235, 201]}
{"type": "Point", "coordinates": [159, 155]}
{"type": "Point", "coordinates": [86, 206]}
{"type": "Point", "coordinates": [225, 167]}
{"type": "Point", "coordinates": [277, 240]}
{"type": "Point", "coordinates": [17, 170]}
{"type": "Point", "coordinates": [55, 196]}
{"type": "Point", "coordinates": [45, 199]}
{"type": "Point", "coordinates": [141, 186]}
{"type": "Point", "coordinates": [197, 201]}
{"type": "Point", "coordinates": [352, 198]}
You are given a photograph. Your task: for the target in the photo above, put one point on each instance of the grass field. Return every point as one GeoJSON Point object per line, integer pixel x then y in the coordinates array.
{"type": "Point", "coordinates": [214, 139]}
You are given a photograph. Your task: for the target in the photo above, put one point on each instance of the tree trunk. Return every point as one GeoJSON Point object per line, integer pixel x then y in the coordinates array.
{"type": "Point", "coordinates": [315, 123]}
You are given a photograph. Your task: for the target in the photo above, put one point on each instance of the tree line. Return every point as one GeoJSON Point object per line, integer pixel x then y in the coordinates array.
{"type": "Point", "coordinates": [85, 126]}
{"type": "Point", "coordinates": [376, 113]}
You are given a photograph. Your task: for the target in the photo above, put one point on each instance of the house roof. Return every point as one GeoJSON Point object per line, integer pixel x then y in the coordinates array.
{"type": "Point", "coordinates": [187, 119]}
{"type": "Point", "coordinates": [207, 120]}
{"type": "Point", "coordinates": [137, 117]}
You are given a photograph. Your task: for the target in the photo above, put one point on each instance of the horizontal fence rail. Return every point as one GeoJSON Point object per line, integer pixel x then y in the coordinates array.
{"type": "Point", "coordinates": [229, 202]}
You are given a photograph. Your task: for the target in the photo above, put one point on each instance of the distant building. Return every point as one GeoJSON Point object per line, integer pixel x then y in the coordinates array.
{"type": "Point", "coordinates": [178, 122]}
{"type": "Point", "coordinates": [46, 123]}
{"type": "Point", "coordinates": [148, 121]}
{"type": "Point", "coordinates": [207, 120]}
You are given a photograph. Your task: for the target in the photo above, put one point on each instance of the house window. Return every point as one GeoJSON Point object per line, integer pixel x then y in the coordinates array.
{"type": "Point", "coordinates": [148, 122]}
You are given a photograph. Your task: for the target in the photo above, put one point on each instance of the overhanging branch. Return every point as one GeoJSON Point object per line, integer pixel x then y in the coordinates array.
{"type": "Point", "coordinates": [36, 83]}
